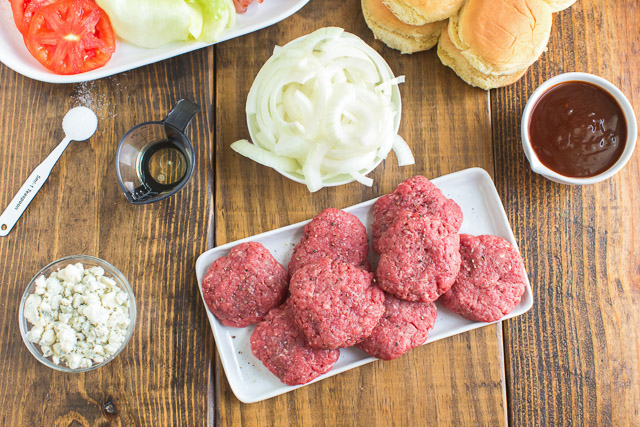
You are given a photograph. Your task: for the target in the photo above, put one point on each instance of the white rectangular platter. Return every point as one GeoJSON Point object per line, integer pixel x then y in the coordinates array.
{"type": "Point", "coordinates": [15, 55]}
{"type": "Point", "coordinates": [483, 213]}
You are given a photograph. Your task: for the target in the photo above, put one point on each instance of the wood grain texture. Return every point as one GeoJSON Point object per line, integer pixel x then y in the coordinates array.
{"type": "Point", "coordinates": [161, 377]}
{"type": "Point", "coordinates": [574, 359]}
{"type": "Point", "coordinates": [458, 381]}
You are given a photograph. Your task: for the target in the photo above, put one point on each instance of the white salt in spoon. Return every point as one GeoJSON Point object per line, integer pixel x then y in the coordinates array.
{"type": "Point", "coordinates": [79, 124]}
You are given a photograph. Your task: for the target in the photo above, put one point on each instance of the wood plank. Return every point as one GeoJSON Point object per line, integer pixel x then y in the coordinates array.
{"type": "Point", "coordinates": [574, 358]}
{"type": "Point", "coordinates": [454, 381]}
{"type": "Point", "coordinates": [161, 377]}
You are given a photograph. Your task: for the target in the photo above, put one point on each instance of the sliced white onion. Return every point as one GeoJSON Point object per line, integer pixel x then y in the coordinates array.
{"type": "Point", "coordinates": [292, 146]}
{"type": "Point", "coordinates": [386, 85]}
{"type": "Point", "coordinates": [264, 157]}
{"type": "Point", "coordinates": [403, 152]}
{"type": "Point", "coordinates": [364, 180]}
{"type": "Point", "coordinates": [348, 166]}
{"type": "Point", "coordinates": [311, 168]}
{"type": "Point", "coordinates": [324, 106]}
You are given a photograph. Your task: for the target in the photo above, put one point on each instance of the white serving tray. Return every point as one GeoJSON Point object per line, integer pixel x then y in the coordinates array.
{"type": "Point", "coordinates": [15, 55]}
{"type": "Point", "coordinates": [251, 382]}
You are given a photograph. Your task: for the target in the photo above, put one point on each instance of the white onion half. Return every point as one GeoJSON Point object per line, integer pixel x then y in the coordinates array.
{"type": "Point", "coordinates": [324, 110]}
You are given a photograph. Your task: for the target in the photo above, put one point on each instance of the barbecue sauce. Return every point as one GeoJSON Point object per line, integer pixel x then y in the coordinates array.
{"type": "Point", "coordinates": [577, 129]}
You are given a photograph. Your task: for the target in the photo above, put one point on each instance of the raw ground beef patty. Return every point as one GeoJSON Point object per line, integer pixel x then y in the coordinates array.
{"type": "Point", "coordinates": [332, 234]}
{"type": "Point", "coordinates": [282, 347]}
{"type": "Point", "coordinates": [242, 287]}
{"type": "Point", "coordinates": [335, 303]}
{"type": "Point", "coordinates": [419, 258]}
{"type": "Point", "coordinates": [403, 326]}
{"type": "Point", "coordinates": [417, 195]}
{"type": "Point", "coordinates": [491, 279]}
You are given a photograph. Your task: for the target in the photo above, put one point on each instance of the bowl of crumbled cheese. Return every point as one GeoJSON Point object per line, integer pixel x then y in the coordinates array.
{"type": "Point", "coordinates": [77, 314]}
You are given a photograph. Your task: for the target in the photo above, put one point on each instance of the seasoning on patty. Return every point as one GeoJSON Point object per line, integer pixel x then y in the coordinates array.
{"type": "Point", "coordinates": [491, 280]}
{"type": "Point", "coordinates": [282, 347]}
{"type": "Point", "coordinates": [403, 326]}
{"type": "Point", "coordinates": [419, 258]}
{"type": "Point", "coordinates": [242, 287]}
{"type": "Point", "coordinates": [335, 303]}
{"type": "Point", "coordinates": [417, 195]}
{"type": "Point", "coordinates": [332, 234]}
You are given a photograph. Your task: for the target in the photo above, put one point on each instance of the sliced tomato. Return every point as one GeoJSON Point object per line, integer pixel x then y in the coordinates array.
{"type": "Point", "coordinates": [17, 7]}
{"type": "Point", "coordinates": [23, 11]}
{"type": "Point", "coordinates": [241, 5]}
{"type": "Point", "coordinates": [71, 36]}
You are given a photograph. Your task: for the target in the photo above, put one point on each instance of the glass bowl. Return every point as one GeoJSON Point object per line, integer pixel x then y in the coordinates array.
{"type": "Point", "coordinates": [87, 262]}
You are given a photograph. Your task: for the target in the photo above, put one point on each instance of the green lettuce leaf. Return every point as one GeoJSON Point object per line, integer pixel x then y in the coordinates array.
{"type": "Point", "coordinates": [155, 23]}
{"type": "Point", "coordinates": [218, 15]}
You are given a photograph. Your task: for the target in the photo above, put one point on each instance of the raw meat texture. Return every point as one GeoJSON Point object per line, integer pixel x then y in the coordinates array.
{"type": "Point", "coordinates": [282, 347]}
{"type": "Point", "coordinates": [417, 195]}
{"type": "Point", "coordinates": [403, 326]}
{"type": "Point", "coordinates": [335, 303]}
{"type": "Point", "coordinates": [332, 234]}
{"type": "Point", "coordinates": [491, 280]}
{"type": "Point", "coordinates": [419, 259]}
{"type": "Point", "coordinates": [242, 287]}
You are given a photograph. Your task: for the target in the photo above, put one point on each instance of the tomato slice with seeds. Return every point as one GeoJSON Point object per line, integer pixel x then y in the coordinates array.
{"type": "Point", "coordinates": [17, 8]}
{"type": "Point", "coordinates": [23, 11]}
{"type": "Point", "coordinates": [71, 36]}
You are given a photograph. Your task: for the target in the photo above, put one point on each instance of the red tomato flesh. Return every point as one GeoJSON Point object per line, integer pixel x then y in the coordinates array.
{"type": "Point", "coordinates": [17, 7]}
{"type": "Point", "coordinates": [241, 5]}
{"type": "Point", "coordinates": [23, 11]}
{"type": "Point", "coordinates": [71, 36]}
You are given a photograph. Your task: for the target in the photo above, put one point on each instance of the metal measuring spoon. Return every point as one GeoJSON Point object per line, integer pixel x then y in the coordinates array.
{"type": "Point", "coordinates": [79, 124]}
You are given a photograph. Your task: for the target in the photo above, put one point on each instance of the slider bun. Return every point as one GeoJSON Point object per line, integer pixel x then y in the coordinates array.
{"type": "Point", "coordinates": [420, 12]}
{"type": "Point", "coordinates": [501, 37]}
{"type": "Point", "coordinates": [452, 57]}
{"type": "Point", "coordinates": [558, 5]}
{"type": "Point", "coordinates": [395, 33]}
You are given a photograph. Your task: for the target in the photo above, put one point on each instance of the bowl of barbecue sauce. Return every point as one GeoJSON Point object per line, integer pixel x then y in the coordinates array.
{"type": "Point", "coordinates": [578, 128]}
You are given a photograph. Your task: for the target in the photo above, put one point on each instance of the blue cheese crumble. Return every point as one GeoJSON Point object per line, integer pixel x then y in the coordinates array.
{"type": "Point", "coordinates": [79, 316]}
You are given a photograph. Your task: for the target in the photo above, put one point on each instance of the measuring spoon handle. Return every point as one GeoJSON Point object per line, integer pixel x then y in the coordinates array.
{"type": "Point", "coordinates": [29, 189]}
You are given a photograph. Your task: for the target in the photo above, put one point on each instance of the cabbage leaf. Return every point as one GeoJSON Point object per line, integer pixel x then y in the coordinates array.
{"type": "Point", "coordinates": [217, 16]}
{"type": "Point", "coordinates": [155, 23]}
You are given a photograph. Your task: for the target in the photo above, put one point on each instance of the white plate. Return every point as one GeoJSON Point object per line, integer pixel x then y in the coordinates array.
{"type": "Point", "coordinates": [15, 55]}
{"type": "Point", "coordinates": [251, 382]}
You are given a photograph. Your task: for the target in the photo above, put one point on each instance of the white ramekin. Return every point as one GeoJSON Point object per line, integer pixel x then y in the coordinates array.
{"type": "Point", "coordinates": [629, 115]}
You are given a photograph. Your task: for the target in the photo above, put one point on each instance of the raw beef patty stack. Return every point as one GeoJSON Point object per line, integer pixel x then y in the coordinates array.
{"type": "Point", "coordinates": [334, 301]}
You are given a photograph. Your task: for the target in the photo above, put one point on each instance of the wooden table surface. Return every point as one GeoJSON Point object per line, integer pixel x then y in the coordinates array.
{"type": "Point", "coordinates": [574, 358]}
